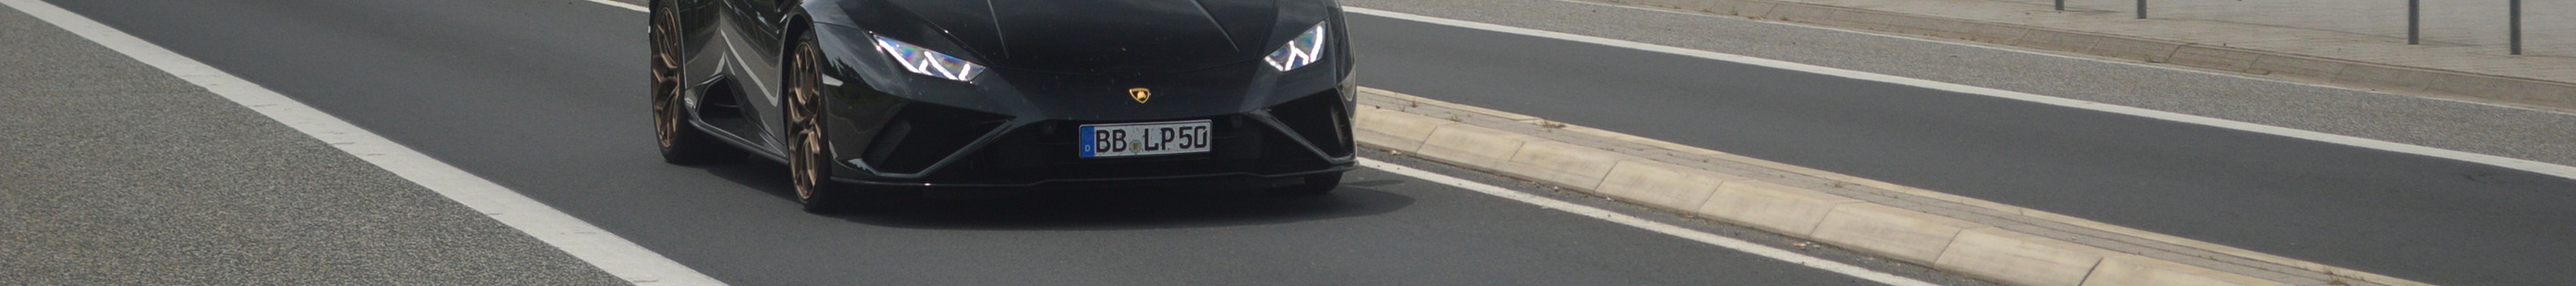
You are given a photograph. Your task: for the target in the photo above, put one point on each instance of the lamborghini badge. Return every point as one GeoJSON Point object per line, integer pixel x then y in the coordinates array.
{"type": "Point", "coordinates": [1140, 94]}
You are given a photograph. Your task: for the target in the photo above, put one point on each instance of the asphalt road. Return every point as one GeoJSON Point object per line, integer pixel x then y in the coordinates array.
{"type": "Point", "coordinates": [540, 96]}
{"type": "Point", "coordinates": [544, 97]}
{"type": "Point", "coordinates": [2434, 220]}
{"type": "Point", "coordinates": [116, 173]}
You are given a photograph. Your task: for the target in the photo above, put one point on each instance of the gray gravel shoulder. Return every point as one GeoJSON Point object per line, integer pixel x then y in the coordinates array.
{"type": "Point", "coordinates": [116, 173]}
{"type": "Point", "coordinates": [2510, 132]}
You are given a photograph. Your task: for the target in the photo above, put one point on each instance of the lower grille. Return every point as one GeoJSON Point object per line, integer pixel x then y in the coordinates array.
{"type": "Point", "coordinates": [922, 134]}
{"type": "Point", "coordinates": [1321, 119]}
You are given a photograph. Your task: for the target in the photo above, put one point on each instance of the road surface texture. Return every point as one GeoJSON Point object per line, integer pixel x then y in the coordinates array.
{"type": "Point", "coordinates": [546, 97]}
{"type": "Point", "coordinates": [115, 173]}
{"type": "Point", "coordinates": [2415, 217]}
{"type": "Point", "coordinates": [2479, 26]}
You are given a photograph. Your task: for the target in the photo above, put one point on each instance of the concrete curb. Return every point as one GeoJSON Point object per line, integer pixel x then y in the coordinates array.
{"type": "Point", "coordinates": [2019, 258]}
{"type": "Point", "coordinates": [2446, 83]}
{"type": "Point", "coordinates": [1590, 160]}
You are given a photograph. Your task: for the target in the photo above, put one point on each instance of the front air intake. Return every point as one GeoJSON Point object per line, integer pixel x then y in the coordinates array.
{"type": "Point", "coordinates": [924, 134]}
{"type": "Point", "coordinates": [1319, 118]}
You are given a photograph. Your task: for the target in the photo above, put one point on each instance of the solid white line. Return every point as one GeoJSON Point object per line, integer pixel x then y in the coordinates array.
{"type": "Point", "coordinates": [610, 253]}
{"type": "Point", "coordinates": [1667, 229]}
{"type": "Point", "coordinates": [620, 5]}
{"type": "Point", "coordinates": [2080, 57]}
{"type": "Point", "coordinates": [2562, 171]}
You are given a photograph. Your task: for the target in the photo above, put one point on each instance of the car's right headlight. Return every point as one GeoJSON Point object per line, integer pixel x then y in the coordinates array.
{"type": "Point", "coordinates": [926, 62]}
{"type": "Point", "coordinates": [1305, 49]}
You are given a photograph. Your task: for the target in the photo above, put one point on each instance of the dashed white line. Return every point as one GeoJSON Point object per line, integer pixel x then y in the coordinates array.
{"type": "Point", "coordinates": [602, 249]}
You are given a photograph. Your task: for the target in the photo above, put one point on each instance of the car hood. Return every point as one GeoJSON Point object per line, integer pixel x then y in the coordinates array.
{"type": "Point", "coordinates": [1103, 36]}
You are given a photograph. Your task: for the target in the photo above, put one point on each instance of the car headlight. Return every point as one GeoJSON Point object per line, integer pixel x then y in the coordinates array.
{"type": "Point", "coordinates": [1305, 49]}
{"type": "Point", "coordinates": [926, 62]}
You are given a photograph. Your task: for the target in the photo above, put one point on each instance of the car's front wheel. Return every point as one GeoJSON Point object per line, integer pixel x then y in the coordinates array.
{"type": "Point", "coordinates": [810, 155]}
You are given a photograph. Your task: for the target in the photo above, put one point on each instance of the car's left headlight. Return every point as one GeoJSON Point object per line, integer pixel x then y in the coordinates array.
{"type": "Point", "coordinates": [926, 62]}
{"type": "Point", "coordinates": [1305, 49]}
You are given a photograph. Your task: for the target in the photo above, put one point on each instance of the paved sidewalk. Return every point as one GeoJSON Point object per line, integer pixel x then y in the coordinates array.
{"type": "Point", "coordinates": [2353, 43]}
{"type": "Point", "coordinates": [113, 172]}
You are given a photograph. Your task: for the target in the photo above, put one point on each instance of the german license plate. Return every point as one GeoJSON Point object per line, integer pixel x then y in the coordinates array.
{"type": "Point", "coordinates": [1149, 138]}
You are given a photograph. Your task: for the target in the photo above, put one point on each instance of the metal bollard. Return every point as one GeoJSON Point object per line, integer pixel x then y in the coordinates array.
{"type": "Point", "coordinates": [2061, 5]}
{"type": "Point", "coordinates": [2414, 21]}
{"type": "Point", "coordinates": [2142, 9]}
{"type": "Point", "coordinates": [2513, 7]}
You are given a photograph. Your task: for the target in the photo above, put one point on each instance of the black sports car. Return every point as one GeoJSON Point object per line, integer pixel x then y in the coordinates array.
{"type": "Point", "coordinates": [868, 95]}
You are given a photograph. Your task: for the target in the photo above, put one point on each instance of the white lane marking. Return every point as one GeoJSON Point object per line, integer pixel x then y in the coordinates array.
{"type": "Point", "coordinates": [1667, 229]}
{"type": "Point", "coordinates": [637, 8]}
{"type": "Point", "coordinates": [2562, 171]}
{"type": "Point", "coordinates": [2080, 57]}
{"type": "Point", "coordinates": [610, 253]}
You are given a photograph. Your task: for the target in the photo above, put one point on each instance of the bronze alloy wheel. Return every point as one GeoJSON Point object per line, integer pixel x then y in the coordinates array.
{"type": "Point", "coordinates": [808, 159]}
{"type": "Point", "coordinates": [666, 77]}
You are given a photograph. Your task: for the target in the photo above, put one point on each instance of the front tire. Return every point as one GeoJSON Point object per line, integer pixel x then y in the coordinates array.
{"type": "Point", "coordinates": [681, 143]}
{"type": "Point", "coordinates": [809, 158]}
